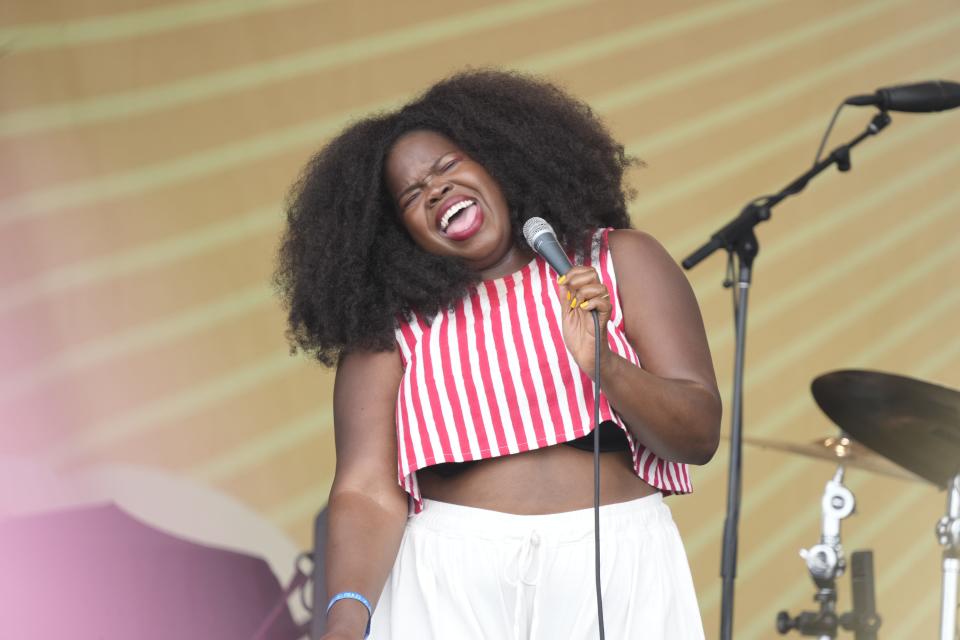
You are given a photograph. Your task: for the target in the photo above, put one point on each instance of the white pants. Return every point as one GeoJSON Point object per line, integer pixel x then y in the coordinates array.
{"type": "Point", "coordinates": [472, 574]}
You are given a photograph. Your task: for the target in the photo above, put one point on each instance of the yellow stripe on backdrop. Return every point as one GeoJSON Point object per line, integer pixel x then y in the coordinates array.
{"type": "Point", "coordinates": [132, 24]}
{"type": "Point", "coordinates": [265, 73]}
{"type": "Point", "coordinates": [150, 144]}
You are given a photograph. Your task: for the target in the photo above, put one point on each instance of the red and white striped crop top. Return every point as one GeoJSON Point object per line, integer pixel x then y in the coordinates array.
{"type": "Point", "coordinates": [492, 376]}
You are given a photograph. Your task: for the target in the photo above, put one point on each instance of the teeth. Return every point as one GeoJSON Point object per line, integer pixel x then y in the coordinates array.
{"type": "Point", "coordinates": [452, 211]}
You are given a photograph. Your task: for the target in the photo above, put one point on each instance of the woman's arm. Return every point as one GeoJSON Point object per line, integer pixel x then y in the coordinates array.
{"type": "Point", "coordinates": [672, 404]}
{"type": "Point", "coordinates": [367, 510]}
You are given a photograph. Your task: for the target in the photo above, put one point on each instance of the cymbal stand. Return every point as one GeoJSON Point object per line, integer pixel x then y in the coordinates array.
{"type": "Point", "coordinates": [948, 533]}
{"type": "Point", "coordinates": [825, 562]}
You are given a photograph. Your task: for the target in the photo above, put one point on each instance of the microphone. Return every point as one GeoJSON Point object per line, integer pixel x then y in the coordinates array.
{"type": "Point", "coordinates": [921, 97]}
{"type": "Point", "coordinates": [541, 238]}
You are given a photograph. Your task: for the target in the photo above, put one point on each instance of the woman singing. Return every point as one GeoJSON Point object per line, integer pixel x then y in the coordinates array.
{"type": "Point", "coordinates": [463, 402]}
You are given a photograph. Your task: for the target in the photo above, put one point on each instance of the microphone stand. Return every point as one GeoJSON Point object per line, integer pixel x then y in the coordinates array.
{"type": "Point", "coordinates": [738, 239]}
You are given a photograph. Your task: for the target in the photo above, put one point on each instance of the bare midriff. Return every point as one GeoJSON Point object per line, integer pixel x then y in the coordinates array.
{"type": "Point", "coordinates": [549, 480]}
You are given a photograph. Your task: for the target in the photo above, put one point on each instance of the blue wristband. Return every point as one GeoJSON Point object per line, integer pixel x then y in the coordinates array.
{"type": "Point", "coordinates": [351, 595]}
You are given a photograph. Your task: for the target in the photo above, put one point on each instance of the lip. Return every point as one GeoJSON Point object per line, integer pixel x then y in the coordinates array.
{"type": "Point", "coordinates": [446, 204]}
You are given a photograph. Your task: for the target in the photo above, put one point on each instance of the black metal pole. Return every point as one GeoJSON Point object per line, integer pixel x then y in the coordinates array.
{"type": "Point", "coordinates": [745, 250]}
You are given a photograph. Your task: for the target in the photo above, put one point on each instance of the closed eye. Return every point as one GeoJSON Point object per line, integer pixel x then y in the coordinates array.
{"type": "Point", "coordinates": [449, 164]}
{"type": "Point", "coordinates": [409, 199]}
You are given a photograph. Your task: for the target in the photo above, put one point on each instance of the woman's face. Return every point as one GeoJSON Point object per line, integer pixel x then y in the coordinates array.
{"type": "Point", "coordinates": [450, 205]}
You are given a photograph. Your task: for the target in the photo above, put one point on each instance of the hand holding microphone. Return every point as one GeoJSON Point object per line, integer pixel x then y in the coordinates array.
{"type": "Point", "coordinates": [579, 291]}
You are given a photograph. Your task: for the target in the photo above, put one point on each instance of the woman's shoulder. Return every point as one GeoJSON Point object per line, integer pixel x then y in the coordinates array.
{"type": "Point", "coordinates": [644, 267]}
{"type": "Point", "coordinates": [634, 249]}
{"type": "Point", "coordinates": [371, 367]}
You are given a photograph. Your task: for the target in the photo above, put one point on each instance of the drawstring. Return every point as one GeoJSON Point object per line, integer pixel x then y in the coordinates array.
{"type": "Point", "coordinates": [527, 554]}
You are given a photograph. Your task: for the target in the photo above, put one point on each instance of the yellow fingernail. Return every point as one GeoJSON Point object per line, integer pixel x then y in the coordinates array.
{"type": "Point", "coordinates": [561, 279]}
{"type": "Point", "coordinates": [574, 303]}
{"type": "Point", "coordinates": [568, 295]}
{"type": "Point", "coordinates": [583, 305]}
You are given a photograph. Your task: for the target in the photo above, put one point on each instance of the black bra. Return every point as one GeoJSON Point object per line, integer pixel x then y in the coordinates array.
{"type": "Point", "coordinates": [612, 438]}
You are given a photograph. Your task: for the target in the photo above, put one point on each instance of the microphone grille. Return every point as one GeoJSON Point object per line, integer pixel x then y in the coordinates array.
{"type": "Point", "coordinates": [535, 227]}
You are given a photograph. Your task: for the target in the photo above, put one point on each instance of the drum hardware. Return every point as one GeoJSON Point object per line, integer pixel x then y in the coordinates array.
{"type": "Point", "coordinates": [948, 534]}
{"type": "Point", "coordinates": [839, 449]}
{"type": "Point", "coordinates": [916, 425]}
{"type": "Point", "coordinates": [825, 563]}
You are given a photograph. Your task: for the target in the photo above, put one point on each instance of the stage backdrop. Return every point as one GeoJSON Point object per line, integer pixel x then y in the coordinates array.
{"type": "Point", "coordinates": [147, 146]}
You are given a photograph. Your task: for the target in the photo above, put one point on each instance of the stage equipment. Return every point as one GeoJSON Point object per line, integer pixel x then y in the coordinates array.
{"type": "Point", "coordinates": [738, 239]}
{"type": "Point", "coordinates": [826, 562]}
{"type": "Point", "coordinates": [921, 97]}
{"type": "Point", "coordinates": [838, 449]}
{"type": "Point", "coordinates": [915, 424]}
{"type": "Point", "coordinates": [540, 236]}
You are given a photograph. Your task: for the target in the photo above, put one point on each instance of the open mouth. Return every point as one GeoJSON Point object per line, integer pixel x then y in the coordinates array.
{"type": "Point", "coordinates": [459, 218]}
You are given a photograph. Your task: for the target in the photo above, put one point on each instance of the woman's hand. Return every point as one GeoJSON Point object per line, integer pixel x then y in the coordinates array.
{"type": "Point", "coordinates": [581, 292]}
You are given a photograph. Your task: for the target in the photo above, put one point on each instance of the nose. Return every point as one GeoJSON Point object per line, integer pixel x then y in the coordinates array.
{"type": "Point", "coordinates": [437, 191]}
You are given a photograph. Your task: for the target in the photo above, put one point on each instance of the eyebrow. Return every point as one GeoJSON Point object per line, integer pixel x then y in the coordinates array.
{"type": "Point", "coordinates": [433, 168]}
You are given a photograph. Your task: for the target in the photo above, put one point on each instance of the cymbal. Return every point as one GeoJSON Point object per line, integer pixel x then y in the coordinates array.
{"type": "Point", "coordinates": [913, 423]}
{"type": "Point", "coordinates": [838, 449]}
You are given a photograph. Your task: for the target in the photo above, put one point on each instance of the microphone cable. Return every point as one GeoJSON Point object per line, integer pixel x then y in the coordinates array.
{"type": "Point", "coordinates": [540, 236]}
{"type": "Point", "coordinates": [596, 466]}
{"type": "Point", "coordinates": [826, 135]}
